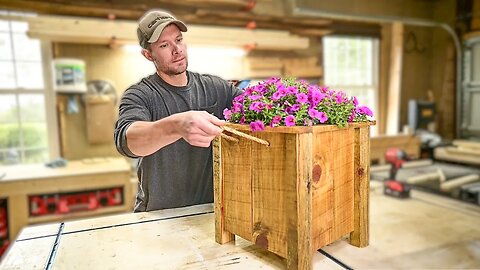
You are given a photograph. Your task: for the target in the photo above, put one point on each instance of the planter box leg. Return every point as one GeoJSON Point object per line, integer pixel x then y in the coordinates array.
{"type": "Point", "coordinates": [222, 236]}
{"type": "Point", "coordinates": [359, 236]}
{"type": "Point", "coordinates": [299, 208]}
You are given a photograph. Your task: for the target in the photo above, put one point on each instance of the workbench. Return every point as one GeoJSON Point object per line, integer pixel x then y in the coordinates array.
{"type": "Point", "coordinates": [21, 181]}
{"type": "Point", "coordinates": [425, 231]}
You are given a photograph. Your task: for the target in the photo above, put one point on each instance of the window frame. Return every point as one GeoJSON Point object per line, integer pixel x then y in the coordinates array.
{"type": "Point", "coordinates": [375, 84]}
{"type": "Point", "coordinates": [46, 91]}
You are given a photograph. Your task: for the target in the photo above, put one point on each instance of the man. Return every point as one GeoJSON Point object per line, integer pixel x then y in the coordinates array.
{"type": "Point", "coordinates": [169, 119]}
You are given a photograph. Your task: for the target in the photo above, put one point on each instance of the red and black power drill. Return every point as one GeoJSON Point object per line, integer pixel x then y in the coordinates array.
{"type": "Point", "coordinates": [392, 187]}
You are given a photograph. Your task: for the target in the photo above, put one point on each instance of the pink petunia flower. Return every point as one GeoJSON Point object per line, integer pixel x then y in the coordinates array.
{"type": "Point", "coordinates": [314, 113]}
{"type": "Point", "coordinates": [302, 98]}
{"type": "Point", "coordinates": [257, 106]}
{"type": "Point", "coordinates": [290, 121]}
{"type": "Point", "coordinates": [254, 97]}
{"type": "Point", "coordinates": [227, 114]}
{"type": "Point", "coordinates": [323, 117]}
{"type": "Point", "coordinates": [292, 90]}
{"type": "Point", "coordinates": [276, 96]}
{"type": "Point", "coordinates": [355, 101]}
{"type": "Point", "coordinates": [257, 125]}
{"type": "Point", "coordinates": [237, 107]}
{"type": "Point", "coordinates": [365, 110]}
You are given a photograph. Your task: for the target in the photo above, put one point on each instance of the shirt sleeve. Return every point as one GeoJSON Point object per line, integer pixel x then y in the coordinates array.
{"type": "Point", "coordinates": [133, 107]}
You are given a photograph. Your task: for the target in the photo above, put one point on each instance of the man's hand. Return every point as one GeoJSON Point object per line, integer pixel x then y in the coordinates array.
{"type": "Point", "coordinates": [199, 128]}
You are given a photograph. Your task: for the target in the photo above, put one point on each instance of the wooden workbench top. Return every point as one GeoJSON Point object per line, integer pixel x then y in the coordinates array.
{"type": "Point", "coordinates": [425, 231]}
{"type": "Point", "coordinates": [77, 167]}
{"type": "Point", "coordinates": [169, 239]}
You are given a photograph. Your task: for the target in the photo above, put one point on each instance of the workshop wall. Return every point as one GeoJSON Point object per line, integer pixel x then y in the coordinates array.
{"type": "Point", "coordinates": [122, 67]}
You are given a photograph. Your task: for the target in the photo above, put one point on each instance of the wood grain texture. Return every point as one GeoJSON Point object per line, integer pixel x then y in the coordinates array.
{"type": "Point", "coordinates": [298, 207]}
{"type": "Point", "coordinates": [360, 235]}
{"type": "Point", "coordinates": [221, 235]}
{"type": "Point", "coordinates": [22, 181]}
{"type": "Point", "coordinates": [272, 167]}
{"type": "Point", "coordinates": [322, 190]}
{"type": "Point", "coordinates": [342, 143]}
{"type": "Point", "coordinates": [302, 188]}
{"type": "Point", "coordinates": [408, 143]}
{"type": "Point", "coordinates": [237, 187]}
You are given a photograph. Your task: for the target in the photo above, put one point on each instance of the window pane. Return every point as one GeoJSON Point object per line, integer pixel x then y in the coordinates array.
{"type": "Point", "coordinates": [29, 75]}
{"type": "Point", "coordinates": [9, 136]}
{"type": "Point", "coordinates": [8, 110]}
{"type": "Point", "coordinates": [32, 108]}
{"type": "Point", "coordinates": [7, 76]}
{"type": "Point", "coordinates": [10, 157]}
{"type": "Point", "coordinates": [36, 156]}
{"type": "Point", "coordinates": [4, 26]}
{"type": "Point", "coordinates": [5, 47]}
{"type": "Point", "coordinates": [34, 134]}
{"type": "Point", "coordinates": [20, 27]}
{"type": "Point", "coordinates": [25, 48]}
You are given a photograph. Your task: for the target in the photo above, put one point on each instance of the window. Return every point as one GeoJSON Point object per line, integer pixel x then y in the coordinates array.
{"type": "Point", "coordinates": [351, 65]}
{"type": "Point", "coordinates": [23, 125]}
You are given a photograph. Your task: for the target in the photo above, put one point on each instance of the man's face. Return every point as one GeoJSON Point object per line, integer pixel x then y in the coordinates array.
{"type": "Point", "coordinates": [169, 52]}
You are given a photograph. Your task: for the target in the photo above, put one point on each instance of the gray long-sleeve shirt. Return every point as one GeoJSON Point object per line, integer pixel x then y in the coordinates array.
{"type": "Point", "coordinates": [178, 174]}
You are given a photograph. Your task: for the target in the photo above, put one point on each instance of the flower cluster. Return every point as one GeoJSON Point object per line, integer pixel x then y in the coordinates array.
{"type": "Point", "coordinates": [288, 102]}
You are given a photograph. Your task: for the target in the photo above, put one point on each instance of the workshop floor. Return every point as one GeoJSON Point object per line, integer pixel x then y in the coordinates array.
{"type": "Point", "coordinates": [425, 231]}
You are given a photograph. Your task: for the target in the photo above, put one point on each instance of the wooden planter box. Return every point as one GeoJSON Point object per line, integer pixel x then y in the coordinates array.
{"type": "Point", "coordinates": [309, 188]}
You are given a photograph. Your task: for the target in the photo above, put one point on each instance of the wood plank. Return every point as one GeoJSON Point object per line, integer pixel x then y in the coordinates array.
{"type": "Point", "coordinates": [174, 243]}
{"type": "Point", "coordinates": [408, 143]}
{"type": "Point", "coordinates": [322, 193]}
{"type": "Point", "coordinates": [270, 173]}
{"type": "Point", "coordinates": [17, 214]}
{"type": "Point", "coordinates": [441, 153]}
{"type": "Point", "coordinates": [28, 255]}
{"type": "Point", "coordinates": [264, 63]}
{"type": "Point", "coordinates": [300, 129]}
{"type": "Point", "coordinates": [360, 235]}
{"type": "Point", "coordinates": [237, 187]}
{"type": "Point", "coordinates": [466, 144]}
{"type": "Point", "coordinates": [298, 206]}
{"type": "Point", "coordinates": [343, 182]}
{"type": "Point", "coordinates": [395, 79]}
{"type": "Point", "coordinates": [221, 234]}
{"type": "Point", "coordinates": [98, 31]}
{"type": "Point", "coordinates": [463, 151]}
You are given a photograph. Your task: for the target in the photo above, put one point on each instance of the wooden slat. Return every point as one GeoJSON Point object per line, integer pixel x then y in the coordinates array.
{"type": "Point", "coordinates": [270, 173]}
{"type": "Point", "coordinates": [99, 31]}
{"type": "Point", "coordinates": [360, 235]}
{"type": "Point", "coordinates": [237, 187]}
{"type": "Point", "coordinates": [441, 153]}
{"type": "Point", "coordinates": [464, 151]}
{"type": "Point", "coordinates": [299, 129]}
{"type": "Point", "coordinates": [221, 235]}
{"type": "Point", "coordinates": [395, 79]}
{"type": "Point", "coordinates": [264, 62]}
{"type": "Point", "coordinates": [298, 206]}
{"type": "Point", "coordinates": [322, 194]}
{"type": "Point", "coordinates": [343, 145]}
{"type": "Point", "coordinates": [408, 143]}
{"type": "Point", "coordinates": [466, 144]}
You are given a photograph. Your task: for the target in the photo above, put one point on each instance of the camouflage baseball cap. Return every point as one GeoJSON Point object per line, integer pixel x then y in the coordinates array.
{"type": "Point", "coordinates": [152, 24]}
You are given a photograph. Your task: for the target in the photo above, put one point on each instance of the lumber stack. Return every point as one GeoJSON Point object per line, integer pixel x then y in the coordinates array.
{"type": "Point", "coordinates": [462, 151]}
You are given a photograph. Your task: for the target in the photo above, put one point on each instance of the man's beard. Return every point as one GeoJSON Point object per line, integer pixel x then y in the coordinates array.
{"type": "Point", "coordinates": [177, 71]}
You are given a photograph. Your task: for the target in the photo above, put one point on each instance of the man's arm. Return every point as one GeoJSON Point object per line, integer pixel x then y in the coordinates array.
{"type": "Point", "coordinates": [198, 128]}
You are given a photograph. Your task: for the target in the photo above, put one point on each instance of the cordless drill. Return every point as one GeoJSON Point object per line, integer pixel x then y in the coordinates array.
{"type": "Point", "coordinates": [392, 187]}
